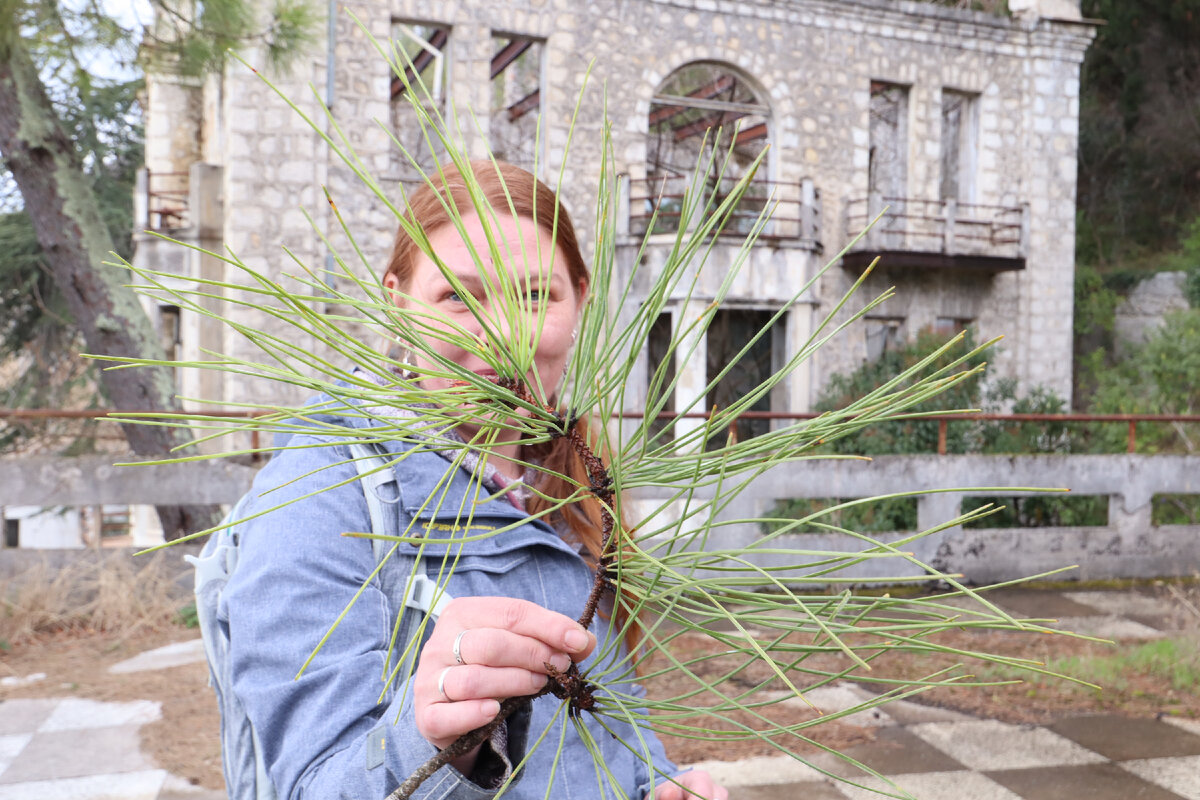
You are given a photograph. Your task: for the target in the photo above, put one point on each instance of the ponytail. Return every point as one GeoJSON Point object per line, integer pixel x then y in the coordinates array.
{"type": "Point", "coordinates": [582, 520]}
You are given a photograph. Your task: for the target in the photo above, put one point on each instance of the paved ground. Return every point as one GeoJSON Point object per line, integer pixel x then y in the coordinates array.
{"type": "Point", "coordinates": [75, 749]}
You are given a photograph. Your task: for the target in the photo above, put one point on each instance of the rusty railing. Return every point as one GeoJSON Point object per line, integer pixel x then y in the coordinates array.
{"type": "Point", "coordinates": [938, 226]}
{"type": "Point", "coordinates": [943, 420]}
{"type": "Point", "coordinates": [795, 206]}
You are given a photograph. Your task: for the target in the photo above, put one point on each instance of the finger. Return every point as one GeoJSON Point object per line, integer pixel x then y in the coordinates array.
{"type": "Point", "coordinates": [522, 617]}
{"type": "Point", "coordinates": [442, 723]}
{"type": "Point", "coordinates": [476, 682]}
{"type": "Point", "coordinates": [668, 791]}
{"type": "Point", "coordinates": [695, 784]}
{"type": "Point", "coordinates": [500, 648]}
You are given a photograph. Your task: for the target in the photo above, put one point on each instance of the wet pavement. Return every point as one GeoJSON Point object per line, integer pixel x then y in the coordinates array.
{"type": "Point", "coordinates": [77, 749]}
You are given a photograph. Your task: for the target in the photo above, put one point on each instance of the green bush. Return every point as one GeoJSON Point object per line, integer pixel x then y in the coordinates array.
{"type": "Point", "coordinates": [1042, 511]}
{"type": "Point", "coordinates": [967, 436]}
{"type": "Point", "coordinates": [880, 516]}
{"type": "Point", "coordinates": [187, 616]}
{"type": "Point", "coordinates": [1160, 376]}
{"type": "Point", "coordinates": [1175, 509]}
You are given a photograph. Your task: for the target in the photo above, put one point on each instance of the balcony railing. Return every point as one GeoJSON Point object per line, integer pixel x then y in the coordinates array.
{"type": "Point", "coordinates": [941, 229]}
{"type": "Point", "coordinates": [656, 206]}
{"type": "Point", "coordinates": [162, 200]}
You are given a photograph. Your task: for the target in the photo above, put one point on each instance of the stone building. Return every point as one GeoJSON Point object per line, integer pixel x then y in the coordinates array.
{"type": "Point", "coordinates": [959, 126]}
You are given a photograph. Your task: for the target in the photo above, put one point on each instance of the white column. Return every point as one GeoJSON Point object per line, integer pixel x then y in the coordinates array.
{"type": "Point", "coordinates": [691, 365]}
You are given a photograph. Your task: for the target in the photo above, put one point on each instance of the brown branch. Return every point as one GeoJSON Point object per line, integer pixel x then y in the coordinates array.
{"type": "Point", "coordinates": [461, 746]}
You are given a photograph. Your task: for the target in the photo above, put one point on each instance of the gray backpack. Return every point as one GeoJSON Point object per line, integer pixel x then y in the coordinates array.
{"type": "Point", "coordinates": [241, 754]}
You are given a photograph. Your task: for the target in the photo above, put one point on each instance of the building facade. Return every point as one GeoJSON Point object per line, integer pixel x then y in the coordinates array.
{"type": "Point", "coordinates": [957, 128]}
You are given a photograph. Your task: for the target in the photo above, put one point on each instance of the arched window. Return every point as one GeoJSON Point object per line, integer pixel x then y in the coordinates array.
{"type": "Point", "coordinates": [701, 114]}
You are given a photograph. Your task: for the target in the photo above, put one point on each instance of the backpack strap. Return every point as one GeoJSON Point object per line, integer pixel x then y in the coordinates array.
{"type": "Point", "coordinates": [380, 488]}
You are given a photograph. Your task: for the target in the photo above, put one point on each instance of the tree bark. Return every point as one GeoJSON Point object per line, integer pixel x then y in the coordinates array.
{"type": "Point", "coordinates": [66, 217]}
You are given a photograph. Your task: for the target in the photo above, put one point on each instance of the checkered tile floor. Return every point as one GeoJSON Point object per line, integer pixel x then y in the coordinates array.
{"type": "Point", "coordinates": [1079, 758]}
{"type": "Point", "coordinates": [939, 755]}
{"type": "Point", "coordinates": [53, 748]}
{"type": "Point", "coordinates": [76, 749]}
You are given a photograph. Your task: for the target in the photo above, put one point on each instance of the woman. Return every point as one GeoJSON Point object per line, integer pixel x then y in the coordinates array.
{"type": "Point", "coordinates": [330, 732]}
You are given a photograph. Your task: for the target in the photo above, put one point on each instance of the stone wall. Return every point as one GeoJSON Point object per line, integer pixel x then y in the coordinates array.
{"type": "Point", "coordinates": [811, 61]}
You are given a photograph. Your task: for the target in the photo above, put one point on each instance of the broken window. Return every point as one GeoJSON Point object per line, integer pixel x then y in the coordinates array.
{"type": "Point", "coordinates": [959, 146]}
{"type": "Point", "coordinates": [883, 334]}
{"type": "Point", "coordinates": [659, 355]}
{"type": "Point", "coordinates": [701, 114]}
{"type": "Point", "coordinates": [420, 49]}
{"type": "Point", "coordinates": [730, 331]}
{"type": "Point", "coordinates": [515, 119]}
{"type": "Point", "coordinates": [888, 163]}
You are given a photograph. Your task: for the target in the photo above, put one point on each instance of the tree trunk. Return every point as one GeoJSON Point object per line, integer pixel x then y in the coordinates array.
{"type": "Point", "coordinates": [66, 217]}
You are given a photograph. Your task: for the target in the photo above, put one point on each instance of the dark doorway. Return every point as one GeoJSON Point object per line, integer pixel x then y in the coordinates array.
{"type": "Point", "coordinates": [660, 356]}
{"type": "Point", "coordinates": [730, 331]}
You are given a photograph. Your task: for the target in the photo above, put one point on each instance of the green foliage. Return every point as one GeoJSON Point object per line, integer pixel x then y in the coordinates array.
{"type": "Point", "coordinates": [1039, 511]}
{"type": "Point", "coordinates": [1161, 376]}
{"type": "Point", "coordinates": [921, 435]}
{"type": "Point", "coordinates": [905, 435]}
{"type": "Point", "coordinates": [36, 328]}
{"type": "Point", "coordinates": [875, 517]}
{"type": "Point", "coordinates": [1139, 154]}
{"type": "Point", "coordinates": [1192, 287]}
{"type": "Point", "coordinates": [1095, 303]}
{"type": "Point", "coordinates": [187, 616]}
{"type": "Point", "coordinates": [194, 43]}
{"type": "Point", "coordinates": [1176, 660]}
{"type": "Point", "coordinates": [878, 516]}
{"type": "Point", "coordinates": [1188, 259]}
{"type": "Point", "coordinates": [1175, 509]}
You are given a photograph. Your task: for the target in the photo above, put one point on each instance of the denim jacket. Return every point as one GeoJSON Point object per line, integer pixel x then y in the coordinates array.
{"type": "Point", "coordinates": [333, 732]}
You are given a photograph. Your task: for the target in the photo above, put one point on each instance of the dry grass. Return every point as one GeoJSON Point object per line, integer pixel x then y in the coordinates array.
{"type": "Point", "coordinates": [112, 594]}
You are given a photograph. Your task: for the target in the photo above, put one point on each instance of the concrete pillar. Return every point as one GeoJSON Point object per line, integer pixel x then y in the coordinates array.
{"type": "Point", "coordinates": [691, 366]}
{"type": "Point", "coordinates": [938, 509]}
{"type": "Point", "coordinates": [799, 383]}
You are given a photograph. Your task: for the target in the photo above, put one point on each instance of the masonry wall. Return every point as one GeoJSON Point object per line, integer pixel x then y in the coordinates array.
{"type": "Point", "coordinates": [812, 61]}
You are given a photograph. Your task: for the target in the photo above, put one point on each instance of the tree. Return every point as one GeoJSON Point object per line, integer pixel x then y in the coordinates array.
{"type": "Point", "coordinates": [43, 45]}
{"type": "Point", "coordinates": [1139, 128]}
{"type": "Point", "coordinates": [38, 340]}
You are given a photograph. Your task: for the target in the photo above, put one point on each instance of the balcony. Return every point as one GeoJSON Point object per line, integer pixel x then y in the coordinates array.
{"type": "Point", "coordinates": [937, 234]}
{"type": "Point", "coordinates": [185, 206]}
{"type": "Point", "coordinates": [795, 207]}
{"type": "Point", "coordinates": [162, 200]}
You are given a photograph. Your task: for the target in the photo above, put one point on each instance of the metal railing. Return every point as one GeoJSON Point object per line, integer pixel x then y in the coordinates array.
{"type": "Point", "coordinates": [656, 205]}
{"type": "Point", "coordinates": [1131, 421]}
{"type": "Point", "coordinates": [949, 227]}
{"type": "Point", "coordinates": [162, 199]}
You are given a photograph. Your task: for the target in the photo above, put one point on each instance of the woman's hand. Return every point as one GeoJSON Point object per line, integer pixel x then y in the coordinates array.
{"type": "Point", "coordinates": [696, 783]}
{"type": "Point", "coordinates": [503, 646]}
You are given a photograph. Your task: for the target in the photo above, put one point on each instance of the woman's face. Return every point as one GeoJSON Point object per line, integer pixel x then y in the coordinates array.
{"type": "Point", "coordinates": [532, 267]}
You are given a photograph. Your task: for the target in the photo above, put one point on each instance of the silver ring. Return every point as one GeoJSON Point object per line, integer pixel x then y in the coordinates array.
{"type": "Point", "coordinates": [458, 645]}
{"type": "Point", "coordinates": [441, 684]}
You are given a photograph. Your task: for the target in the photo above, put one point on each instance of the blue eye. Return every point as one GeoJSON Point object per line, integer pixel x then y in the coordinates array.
{"type": "Point", "coordinates": [454, 297]}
